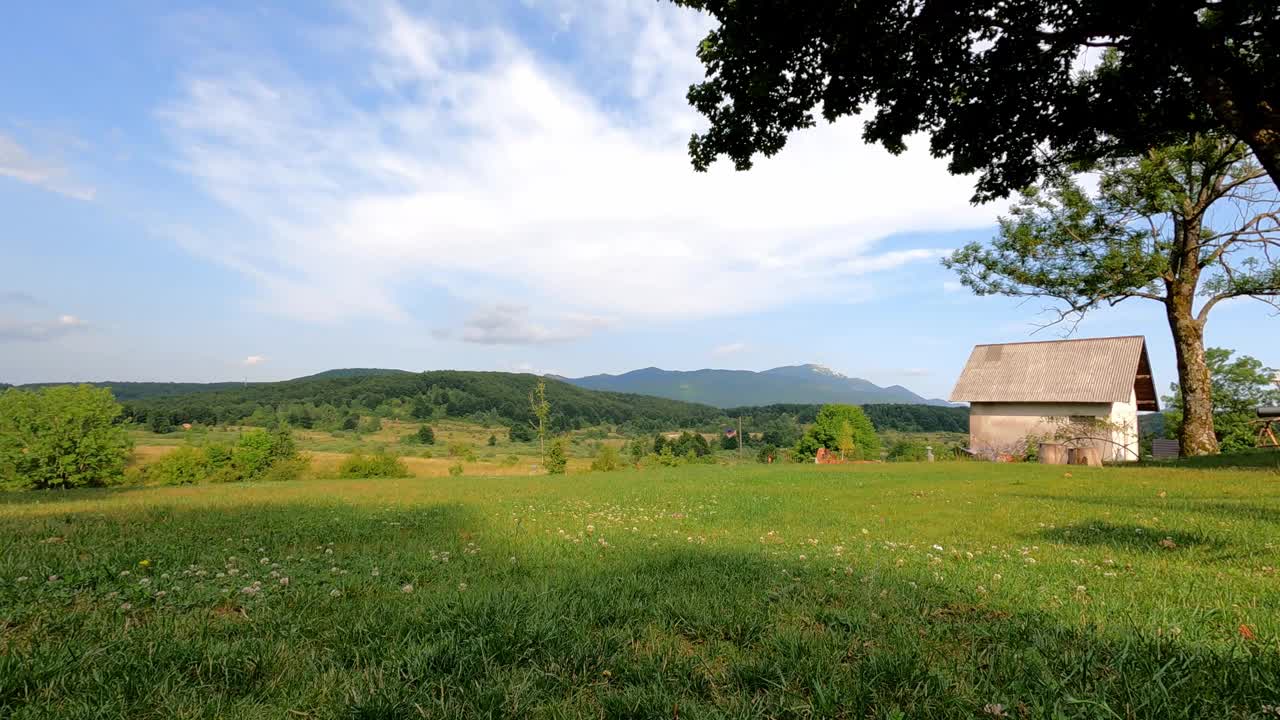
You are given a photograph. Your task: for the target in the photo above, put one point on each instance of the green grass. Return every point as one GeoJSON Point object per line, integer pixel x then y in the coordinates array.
{"type": "Point", "coordinates": [1265, 458]}
{"type": "Point", "coordinates": [882, 591]}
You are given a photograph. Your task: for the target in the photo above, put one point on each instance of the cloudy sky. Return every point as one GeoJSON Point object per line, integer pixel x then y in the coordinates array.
{"type": "Point", "coordinates": [193, 192]}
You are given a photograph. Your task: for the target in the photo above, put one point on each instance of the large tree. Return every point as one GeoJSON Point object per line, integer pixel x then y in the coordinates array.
{"type": "Point", "coordinates": [995, 83]}
{"type": "Point", "coordinates": [1192, 221]}
{"type": "Point", "coordinates": [61, 437]}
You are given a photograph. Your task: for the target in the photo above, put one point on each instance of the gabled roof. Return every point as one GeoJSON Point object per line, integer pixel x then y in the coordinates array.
{"type": "Point", "coordinates": [1089, 370]}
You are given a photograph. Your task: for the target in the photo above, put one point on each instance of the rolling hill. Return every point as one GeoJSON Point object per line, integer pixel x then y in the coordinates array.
{"type": "Point", "coordinates": [795, 384]}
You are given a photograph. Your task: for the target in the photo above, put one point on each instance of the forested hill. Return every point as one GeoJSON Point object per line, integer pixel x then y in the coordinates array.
{"type": "Point", "coordinates": [330, 399]}
{"type": "Point", "coordinates": [493, 396]}
{"type": "Point", "coordinates": [125, 391]}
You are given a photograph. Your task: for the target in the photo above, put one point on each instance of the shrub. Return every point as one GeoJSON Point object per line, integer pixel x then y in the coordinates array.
{"type": "Point", "coordinates": [767, 452]}
{"type": "Point", "coordinates": [185, 466]}
{"type": "Point", "coordinates": [258, 456]}
{"type": "Point", "coordinates": [459, 448]}
{"type": "Point", "coordinates": [281, 470]}
{"type": "Point", "coordinates": [511, 460]}
{"type": "Point", "coordinates": [426, 435]}
{"type": "Point", "coordinates": [455, 469]}
{"type": "Point", "coordinates": [908, 451]}
{"type": "Point", "coordinates": [521, 432]}
{"type": "Point", "coordinates": [557, 457]}
{"type": "Point", "coordinates": [61, 437]}
{"type": "Point", "coordinates": [636, 449]}
{"type": "Point", "coordinates": [607, 459]}
{"type": "Point", "coordinates": [370, 425]}
{"type": "Point", "coordinates": [376, 465]}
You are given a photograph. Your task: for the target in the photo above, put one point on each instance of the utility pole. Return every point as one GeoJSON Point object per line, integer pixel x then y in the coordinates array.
{"type": "Point", "coordinates": [739, 439]}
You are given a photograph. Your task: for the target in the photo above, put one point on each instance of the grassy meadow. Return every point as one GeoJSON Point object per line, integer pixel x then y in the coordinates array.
{"type": "Point", "coordinates": [947, 590]}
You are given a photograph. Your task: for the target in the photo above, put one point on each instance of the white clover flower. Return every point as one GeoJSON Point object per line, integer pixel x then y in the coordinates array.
{"type": "Point", "coordinates": [335, 593]}
{"type": "Point", "coordinates": [406, 588]}
{"type": "Point", "coordinates": [23, 578]}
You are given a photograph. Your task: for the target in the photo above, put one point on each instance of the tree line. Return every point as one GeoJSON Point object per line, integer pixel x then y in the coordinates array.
{"type": "Point", "coordinates": [491, 398]}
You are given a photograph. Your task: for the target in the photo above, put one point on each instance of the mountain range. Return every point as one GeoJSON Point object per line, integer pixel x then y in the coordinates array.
{"type": "Point", "coordinates": [807, 384]}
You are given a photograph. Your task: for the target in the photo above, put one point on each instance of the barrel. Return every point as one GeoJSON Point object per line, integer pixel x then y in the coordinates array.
{"type": "Point", "coordinates": [1088, 456]}
{"type": "Point", "coordinates": [1053, 454]}
{"type": "Point", "coordinates": [1269, 412]}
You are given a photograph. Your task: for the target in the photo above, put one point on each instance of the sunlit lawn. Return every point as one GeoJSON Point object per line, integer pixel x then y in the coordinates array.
{"type": "Point", "coordinates": [939, 590]}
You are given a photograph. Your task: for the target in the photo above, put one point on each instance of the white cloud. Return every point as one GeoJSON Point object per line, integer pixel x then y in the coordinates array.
{"type": "Point", "coordinates": [470, 163]}
{"type": "Point", "coordinates": [509, 324]}
{"type": "Point", "coordinates": [253, 360]}
{"type": "Point", "coordinates": [729, 348]}
{"type": "Point", "coordinates": [26, 329]}
{"type": "Point", "coordinates": [18, 163]}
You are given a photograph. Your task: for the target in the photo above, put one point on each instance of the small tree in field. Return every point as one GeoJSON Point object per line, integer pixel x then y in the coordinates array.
{"type": "Point", "coordinates": [845, 440]}
{"type": "Point", "coordinates": [61, 437]}
{"type": "Point", "coordinates": [426, 435]}
{"type": "Point", "coordinates": [557, 458]}
{"type": "Point", "coordinates": [541, 411]}
{"type": "Point", "coordinates": [1148, 233]}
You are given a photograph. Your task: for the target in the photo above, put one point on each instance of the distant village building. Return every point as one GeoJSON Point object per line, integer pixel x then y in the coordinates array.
{"type": "Point", "coordinates": [1035, 389]}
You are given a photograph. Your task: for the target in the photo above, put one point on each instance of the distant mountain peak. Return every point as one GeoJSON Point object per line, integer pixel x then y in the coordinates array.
{"type": "Point", "coordinates": [811, 383]}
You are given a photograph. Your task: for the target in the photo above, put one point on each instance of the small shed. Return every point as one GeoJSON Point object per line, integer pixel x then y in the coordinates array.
{"type": "Point", "coordinates": [1026, 390]}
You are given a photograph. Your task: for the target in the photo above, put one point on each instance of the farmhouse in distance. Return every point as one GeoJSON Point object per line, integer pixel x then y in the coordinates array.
{"type": "Point", "coordinates": [1021, 390]}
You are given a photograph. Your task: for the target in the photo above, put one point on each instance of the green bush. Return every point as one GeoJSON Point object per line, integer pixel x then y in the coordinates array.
{"type": "Point", "coordinates": [766, 452]}
{"type": "Point", "coordinates": [511, 460]}
{"type": "Point", "coordinates": [369, 425]}
{"type": "Point", "coordinates": [908, 451]}
{"type": "Point", "coordinates": [185, 466]}
{"type": "Point", "coordinates": [607, 459]}
{"type": "Point", "coordinates": [258, 456]}
{"type": "Point", "coordinates": [375, 465]}
{"type": "Point", "coordinates": [426, 435]}
{"type": "Point", "coordinates": [455, 469]}
{"type": "Point", "coordinates": [61, 437]}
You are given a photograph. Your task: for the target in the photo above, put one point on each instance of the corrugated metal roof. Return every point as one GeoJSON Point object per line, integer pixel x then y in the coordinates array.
{"type": "Point", "coordinates": [1085, 370]}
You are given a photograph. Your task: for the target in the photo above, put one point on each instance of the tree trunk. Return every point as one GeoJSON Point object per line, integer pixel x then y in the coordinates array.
{"type": "Point", "coordinates": [1196, 437]}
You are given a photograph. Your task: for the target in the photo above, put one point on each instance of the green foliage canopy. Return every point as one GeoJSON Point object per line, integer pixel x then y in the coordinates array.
{"type": "Point", "coordinates": [828, 427]}
{"type": "Point", "coordinates": [994, 83]}
{"type": "Point", "coordinates": [61, 437]}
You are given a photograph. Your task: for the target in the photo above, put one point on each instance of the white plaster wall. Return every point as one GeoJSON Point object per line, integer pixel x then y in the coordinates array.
{"type": "Point", "coordinates": [1004, 427]}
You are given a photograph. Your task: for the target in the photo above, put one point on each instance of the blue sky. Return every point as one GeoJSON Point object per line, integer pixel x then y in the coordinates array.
{"type": "Point", "coordinates": [209, 192]}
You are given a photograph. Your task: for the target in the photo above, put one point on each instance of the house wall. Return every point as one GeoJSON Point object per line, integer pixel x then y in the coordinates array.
{"type": "Point", "coordinates": [996, 428]}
